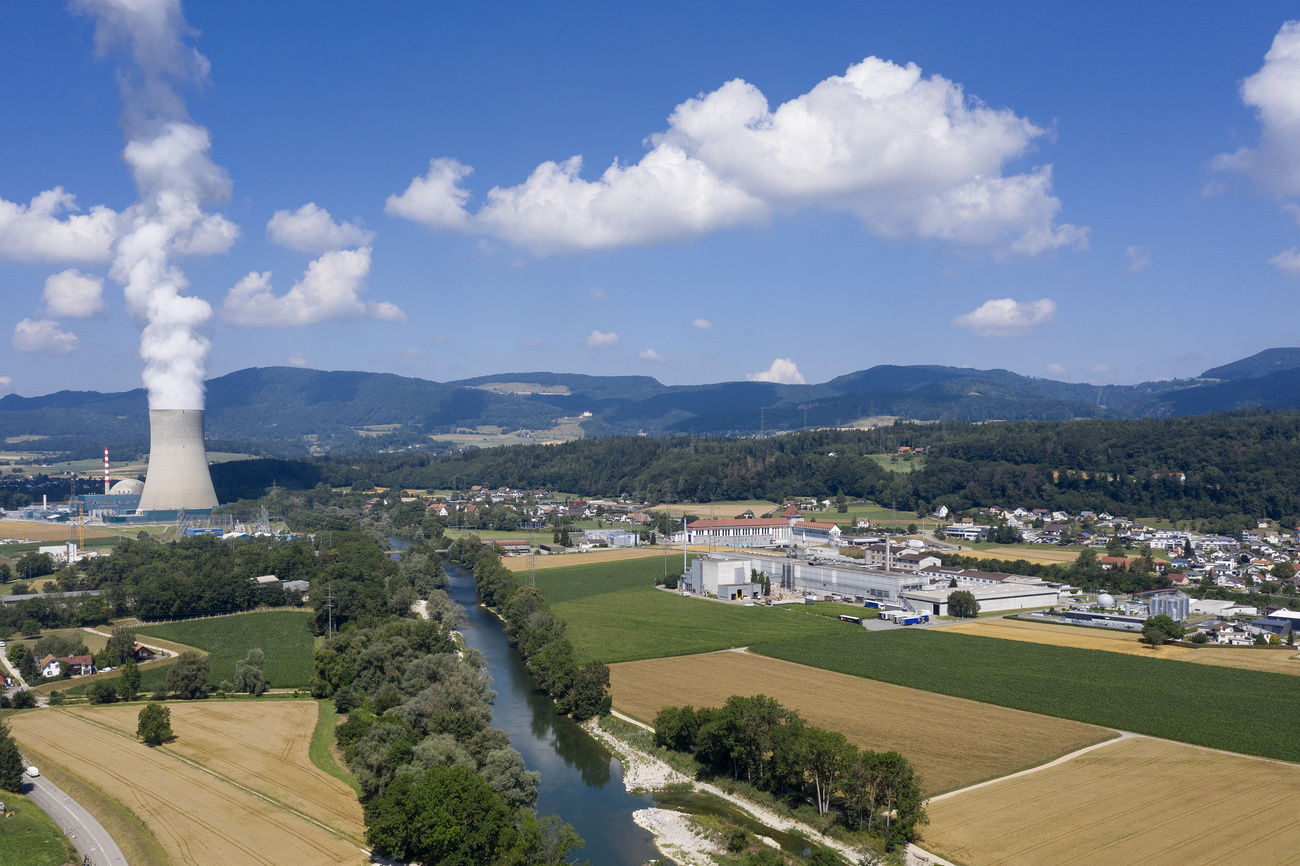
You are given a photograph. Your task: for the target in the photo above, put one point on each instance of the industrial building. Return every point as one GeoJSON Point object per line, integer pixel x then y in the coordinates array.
{"type": "Point", "coordinates": [733, 572]}
{"type": "Point", "coordinates": [1008, 595]}
{"type": "Point", "coordinates": [758, 532]}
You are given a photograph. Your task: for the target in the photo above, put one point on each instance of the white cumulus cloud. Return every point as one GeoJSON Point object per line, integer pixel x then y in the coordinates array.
{"type": "Point", "coordinates": [328, 292]}
{"type": "Point", "coordinates": [6, 381]}
{"type": "Point", "coordinates": [601, 340]}
{"type": "Point", "coordinates": [310, 229]}
{"type": "Point", "coordinates": [74, 295]}
{"type": "Point", "coordinates": [297, 360]}
{"type": "Point", "coordinates": [783, 371]}
{"type": "Point", "coordinates": [1057, 370]}
{"type": "Point", "coordinates": [36, 230]}
{"type": "Point", "coordinates": [1274, 92]}
{"type": "Point", "coordinates": [44, 337]}
{"type": "Point", "coordinates": [652, 356]}
{"type": "Point", "coordinates": [1004, 317]}
{"type": "Point", "coordinates": [1136, 259]}
{"type": "Point", "coordinates": [1287, 261]}
{"type": "Point", "coordinates": [910, 156]}
{"type": "Point", "coordinates": [702, 325]}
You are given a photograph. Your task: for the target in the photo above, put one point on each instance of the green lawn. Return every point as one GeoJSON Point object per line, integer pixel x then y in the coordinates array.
{"type": "Point", "coordinates": [615, 614]}
{"type": "Point", "coordinates": [888, 462]}
{"type": "Point", "coordinates": [1220, 707]}
{"type": "Point", "coordinates": [284, 635]}
{"type": "Point", "coordinates": [30, 838]}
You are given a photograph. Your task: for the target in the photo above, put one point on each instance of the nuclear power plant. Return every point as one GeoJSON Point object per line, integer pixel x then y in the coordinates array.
{"type": "Point", "coordinates": [178, 478]}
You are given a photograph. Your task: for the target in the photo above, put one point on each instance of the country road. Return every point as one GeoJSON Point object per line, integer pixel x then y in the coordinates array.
{"type": "Point", "coordinates": [90, 837]}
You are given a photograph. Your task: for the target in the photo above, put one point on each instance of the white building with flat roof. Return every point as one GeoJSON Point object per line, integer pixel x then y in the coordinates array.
{"type": "Point", "coordinates": [759, 532]}
{"type": "Point", "coordinates": [1004, 596]}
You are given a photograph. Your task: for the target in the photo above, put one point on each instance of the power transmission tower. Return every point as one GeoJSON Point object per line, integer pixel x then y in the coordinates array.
{"type": "Point", "coordinates": [329, 606]}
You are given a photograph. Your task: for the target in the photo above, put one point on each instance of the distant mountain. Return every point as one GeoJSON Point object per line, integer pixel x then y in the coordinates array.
{"type": "Point", "coordinates": [286, 410]}
{"type": "Point", "coordinates": [1265, 363]}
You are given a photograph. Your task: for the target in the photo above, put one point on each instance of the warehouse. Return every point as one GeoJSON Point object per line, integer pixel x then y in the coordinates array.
{"type": "Point", "coordinates": [740, 533]}
{"type": "Point", "coordinates": [1005, 596]}
{"type": "Point", "coordinates": [823, 577]}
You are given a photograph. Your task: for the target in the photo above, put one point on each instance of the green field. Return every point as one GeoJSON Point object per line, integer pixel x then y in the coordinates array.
{"type": "Point", "coordinates": [1223, 708]}
{"type": "Point", "coordinates": [283, 635]}
{"type": "Point", "coordinates": [30, 838]}
{"type": "Point", "coordinates": [888, 462]}
{"type": "Point", "coordinates": [615, 614]}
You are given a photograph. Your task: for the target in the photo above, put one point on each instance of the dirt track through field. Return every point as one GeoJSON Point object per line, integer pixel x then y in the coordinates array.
{"type": "Point", "coordinates": [200, 820]}
{"type": "Point", "coordinates": [594, 557]}
{"type": "Point", "coordinates": [952, 741]}
{"type": "Point", "coordinates": [1138, 800]}
{"type": "Point", "coordinates": [263, 746]}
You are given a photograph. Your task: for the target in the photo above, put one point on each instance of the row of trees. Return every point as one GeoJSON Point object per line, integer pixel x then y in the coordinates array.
{"type": "Point", "coordinates": [774, 749]}
{"type": "Point", "coordinates": [581, 691]}
{"type": "Point", "coordinates": [439, 784]}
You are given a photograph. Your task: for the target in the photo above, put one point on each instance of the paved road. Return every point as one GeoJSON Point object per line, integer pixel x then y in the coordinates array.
{"type": "Point", "coordinates": [86, 833]}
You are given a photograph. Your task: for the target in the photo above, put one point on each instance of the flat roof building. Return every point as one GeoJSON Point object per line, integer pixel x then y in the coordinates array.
{"type": "Point", "coordinates": [761, 532]}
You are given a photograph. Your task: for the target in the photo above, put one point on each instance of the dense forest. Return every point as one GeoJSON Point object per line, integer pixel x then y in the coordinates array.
{"type": "Point", "coordinates": [1210, 466]}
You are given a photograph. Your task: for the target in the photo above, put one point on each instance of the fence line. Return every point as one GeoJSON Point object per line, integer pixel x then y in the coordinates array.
{"type": "Point", "coordinates": [258, 609]}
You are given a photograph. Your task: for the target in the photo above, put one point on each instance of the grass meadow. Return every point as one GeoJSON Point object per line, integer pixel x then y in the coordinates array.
{"type": "Point", "coordinates": [615, 614]}
{"type": "Point", "coordinates": [283, 635]}
{"type": "Point", "coordinates": [1238, 710]}
{"type": "Point", "coordinates": [30, 837]}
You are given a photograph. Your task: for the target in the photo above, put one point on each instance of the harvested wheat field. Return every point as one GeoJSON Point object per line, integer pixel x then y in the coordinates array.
{"type": "Point", "coordinates": [197, 817]}
{"type": "Point", "coordinates": [952, 741]}
{"type": "Point", "coordinates": [34, 530]}
{"type": "Point", "coordinates": [1134, 801]}
{"type": "Point", "coordinates": [1064, 635]}
{"type": "Point", "coordinates": [263, 746]}
{"type": "Point", "coordinates": [1033, 553]}
{"type": "Point", "coordinates": [1274, 661]}
{"type": "Point", "coordinates": [594, 557]}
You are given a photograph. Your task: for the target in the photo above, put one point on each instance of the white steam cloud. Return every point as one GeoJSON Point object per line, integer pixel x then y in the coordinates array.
{"type": "Point", "coordinates": [168, 155]}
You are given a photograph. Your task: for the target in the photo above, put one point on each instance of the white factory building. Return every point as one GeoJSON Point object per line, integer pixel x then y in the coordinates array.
{"type": "Point", "coordinates": [757, 532]}
{"type": "Point", "coordinates": [733, 576]}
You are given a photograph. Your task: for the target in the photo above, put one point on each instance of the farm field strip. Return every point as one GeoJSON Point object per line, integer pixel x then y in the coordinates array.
{"type": "Point", "coordinates": [32, 530]}
{"type": "Point", "coordinates": [1116, 804]}
{"type": "Point", "coordinates": [1244, 711]}
{"type": "Point", "coordinates": [199, 819]}
{"type": "Point", "coordinates": [595, 557]}
{"type": "Point", "coordinates": [1063, 635]}
{"type": "Point", "coordinates": [264, 746]}
{"type": "Point", "coordinates": [1279, 661]}
{"type": "Point", "coordinates": [283, 635]}
{"type": "Point", "coordinates": [953, 742]}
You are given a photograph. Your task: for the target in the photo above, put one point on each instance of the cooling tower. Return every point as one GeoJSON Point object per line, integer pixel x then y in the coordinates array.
{"type": "Point", "coordinates": [178, 474]}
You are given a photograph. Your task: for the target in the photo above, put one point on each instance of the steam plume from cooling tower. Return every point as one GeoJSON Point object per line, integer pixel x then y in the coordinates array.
{"type": "Point", "coordinates": [168, 155]}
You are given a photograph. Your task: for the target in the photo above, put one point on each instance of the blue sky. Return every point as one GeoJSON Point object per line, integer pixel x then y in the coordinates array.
{"type": "Point", "coordinates": [870, 222]}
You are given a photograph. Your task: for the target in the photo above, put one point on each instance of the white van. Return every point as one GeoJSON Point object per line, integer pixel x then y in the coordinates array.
{"type": "Point", "coordinates": [33, 772]}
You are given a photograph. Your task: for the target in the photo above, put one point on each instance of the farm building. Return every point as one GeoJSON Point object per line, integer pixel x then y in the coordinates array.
{"type": "Point", "coordinates": [1005, 596]}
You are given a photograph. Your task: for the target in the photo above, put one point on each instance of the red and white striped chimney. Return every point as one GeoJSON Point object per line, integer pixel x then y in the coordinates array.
{"type": "Point", "coordinates": [106, 470]}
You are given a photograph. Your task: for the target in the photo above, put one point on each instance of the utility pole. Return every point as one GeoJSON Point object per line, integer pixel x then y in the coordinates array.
{"type": "Point", "coordinates": [683, 545]}
{"type": "Point", "coordinates": [532, 564]}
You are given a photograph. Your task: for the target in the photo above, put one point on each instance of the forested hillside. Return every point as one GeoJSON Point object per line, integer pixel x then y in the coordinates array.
{"type": "Point", "coordinates": [285, 411]}
{"type": "Point", "coordinates": [1182, 468]}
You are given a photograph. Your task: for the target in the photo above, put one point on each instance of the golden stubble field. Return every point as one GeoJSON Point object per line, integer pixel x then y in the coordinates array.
{"type": "Point", "coordinates": [952, 741]}
{"type": "Point", "coordinates": [594, 557]}
{"type": "Point", "coordinates": [31, 530]}
{"type": "Point", "coordinates": [200, 814]}
{"type": "Point", "coordinates": [1277, 661]}
{"type": "Point", "coordinates": [1136, 801]}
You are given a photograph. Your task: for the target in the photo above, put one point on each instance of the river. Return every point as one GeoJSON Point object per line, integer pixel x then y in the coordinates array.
{"type": "Point", "coordinates": [581, 781]}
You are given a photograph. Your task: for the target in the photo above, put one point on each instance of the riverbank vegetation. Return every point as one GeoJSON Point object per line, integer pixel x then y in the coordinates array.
{"type": "Point", "coordinates": [419, 743]}
{"type": "Point", "coordinates": [580, 689]}
{"type": "Point", "coordinates": [1236, 710]}
{"type": "Point", "coordinates": [772, 748]}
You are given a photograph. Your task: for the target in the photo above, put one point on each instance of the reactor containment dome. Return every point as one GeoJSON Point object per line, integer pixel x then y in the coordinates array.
{"type": "Point", "coordinates": [178, 477]}
{"type": "Point", "coordinates": [127, 487]}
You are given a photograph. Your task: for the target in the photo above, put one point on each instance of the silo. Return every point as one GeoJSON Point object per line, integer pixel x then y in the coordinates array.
{"type": "Point", "coordinates": [178, 476]}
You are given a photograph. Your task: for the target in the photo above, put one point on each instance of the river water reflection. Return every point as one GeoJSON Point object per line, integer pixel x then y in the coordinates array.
{"type": "Point", "coordinates": [581, 781]}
